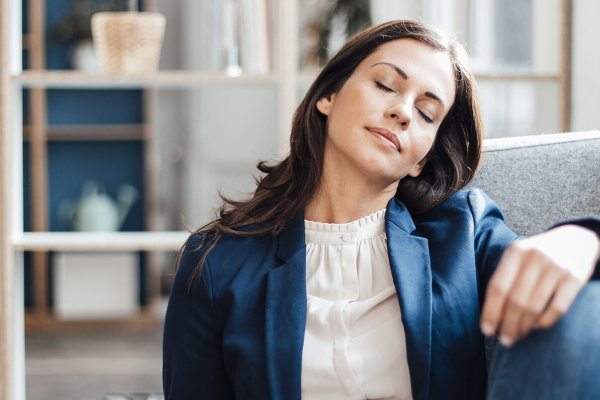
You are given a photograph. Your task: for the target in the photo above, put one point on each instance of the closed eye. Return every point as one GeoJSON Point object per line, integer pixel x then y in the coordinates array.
{"type": "Point", "coordinates": [382, 87]}
{"type": "Point", "coordinates": [386, 89]}
{"type": "Point", "coordinates": [426, 117]}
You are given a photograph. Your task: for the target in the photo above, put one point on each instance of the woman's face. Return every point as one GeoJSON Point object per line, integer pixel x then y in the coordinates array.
{"type": "Point", "coordinates": [383, 121]}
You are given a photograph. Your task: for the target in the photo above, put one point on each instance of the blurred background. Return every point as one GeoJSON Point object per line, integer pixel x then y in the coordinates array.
{"type": "Point", "coordinates": [153, 154]}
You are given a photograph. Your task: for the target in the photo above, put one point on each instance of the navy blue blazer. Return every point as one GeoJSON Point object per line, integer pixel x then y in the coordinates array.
{"type": "Point", "coordinates": [239, 331]}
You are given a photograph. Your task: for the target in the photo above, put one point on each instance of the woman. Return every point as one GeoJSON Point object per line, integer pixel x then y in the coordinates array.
{"type": "Point", "coordinates": [358, 269]}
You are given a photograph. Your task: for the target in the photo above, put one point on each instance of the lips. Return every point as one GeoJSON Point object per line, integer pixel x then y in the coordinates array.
{"type": "Point", "coordinates": [386, 135]}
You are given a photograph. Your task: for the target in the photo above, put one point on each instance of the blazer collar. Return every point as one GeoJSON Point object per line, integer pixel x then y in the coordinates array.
{"type": "Point", "coordinates": [291, 238]}
{"type": "Point", "coordinates": [411, 271]}
{"type": "Point", "coordinates": [285, 313]}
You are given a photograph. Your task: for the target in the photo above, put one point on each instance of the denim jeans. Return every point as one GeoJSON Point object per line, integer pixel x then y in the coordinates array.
{"type": "Point", "coordinates": [562, 362]}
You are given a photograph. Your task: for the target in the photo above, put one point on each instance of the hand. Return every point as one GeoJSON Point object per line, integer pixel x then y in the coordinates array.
{"type": "Point", "coordinates": [537, 280]}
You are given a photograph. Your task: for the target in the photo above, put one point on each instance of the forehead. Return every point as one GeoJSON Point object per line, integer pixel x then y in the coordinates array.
{"type": "Point", "coordinates": [423, 65]}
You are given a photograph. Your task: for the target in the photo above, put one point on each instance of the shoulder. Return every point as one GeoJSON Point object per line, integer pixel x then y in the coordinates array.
{"type": "Point", "coordinates": [471, 203]}
{"type": "Point", "coordinates": [229, 246]}
{"type": "Point", "coordinates": [231, 256]}
{"type": "Point", "coordinates": [469, 222]}
{"type": "Point", "coordinates": [466, 211]}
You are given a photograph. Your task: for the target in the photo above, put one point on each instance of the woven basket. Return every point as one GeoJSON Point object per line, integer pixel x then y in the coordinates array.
{"type": "Point", "coordinates": [128, 42]}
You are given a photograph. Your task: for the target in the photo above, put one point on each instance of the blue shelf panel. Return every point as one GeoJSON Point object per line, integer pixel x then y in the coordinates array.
{"type": "Point", "coordinates": [111, 164]}
{"type": "Point", "coordinates": [90, 106]}
{"type": "Point", "coordinates": [98, 106]}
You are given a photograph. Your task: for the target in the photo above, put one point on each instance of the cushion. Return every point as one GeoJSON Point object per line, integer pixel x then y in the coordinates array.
{"type": "Point", "coordinates": [543, 179]}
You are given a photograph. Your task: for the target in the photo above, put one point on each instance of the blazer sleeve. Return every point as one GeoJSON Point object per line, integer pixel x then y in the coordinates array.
{"type": "Point", "coordinates": [193, 364]}
{"type": "Point", "coordinates": [491, 235]}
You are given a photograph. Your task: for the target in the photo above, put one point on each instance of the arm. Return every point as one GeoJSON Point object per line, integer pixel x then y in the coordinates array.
{"type": "Point", "coordinates": [193, 365]}
{"type": "Point", "coordinates": [537, 279]}
{"type": "Point", "coordinates": [492, 235]}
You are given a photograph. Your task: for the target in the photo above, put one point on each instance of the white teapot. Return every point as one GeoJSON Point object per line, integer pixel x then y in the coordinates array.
{"type": "Point", "coordinates": [96, 211]}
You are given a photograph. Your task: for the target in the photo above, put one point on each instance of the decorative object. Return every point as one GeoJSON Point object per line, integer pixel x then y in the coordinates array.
{"type": "Point", "coordinates": [83, 56]}
{"type": "Point", "coordinates": [95, 285]}
{"type": "Point", "coordinates": [96, 211]}
{"type": "Point", "coordinates": [342, 19]}
{"type": "Point", "coordinates": [75, 30]}
{"type": "Point", "coordinates": [231, 38]}
{"type": "Point", "coordinates": [253, 36]}
{"type": "Point", "coordinates": [128, 42]}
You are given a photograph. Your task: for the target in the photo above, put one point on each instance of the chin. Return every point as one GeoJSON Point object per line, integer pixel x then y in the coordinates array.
{"type": "Point", "coordinates": [385, 176]}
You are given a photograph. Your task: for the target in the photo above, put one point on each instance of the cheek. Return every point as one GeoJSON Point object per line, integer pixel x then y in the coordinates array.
{"type": "Point", "coordinates": [343, 121]}
{"type": "Point", "coordinates": [424, 143]}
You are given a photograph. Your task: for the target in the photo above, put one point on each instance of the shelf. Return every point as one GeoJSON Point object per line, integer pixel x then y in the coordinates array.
{"type": "Point", "coordinates": [516, 77]}
{"type": "Point", "coordinates": [161, 79]}
{"type": "Point", "coordinates": [27, 41]}
{"type": "Point", "coordinates": [145, 320]}
{"type": "Point", "coordinates": [101, 241]}
{"type": "Point", "coordinates": [307, 77]}
{"type": "Point", "coordinates": [95, 132]}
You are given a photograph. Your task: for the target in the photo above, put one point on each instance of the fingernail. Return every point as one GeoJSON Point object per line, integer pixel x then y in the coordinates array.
{"type": "Point", "coordinates": [487, 328]}
{"type": "Point", "coordinates": [506, 340]}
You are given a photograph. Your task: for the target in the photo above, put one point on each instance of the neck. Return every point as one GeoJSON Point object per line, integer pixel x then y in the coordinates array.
{"type": "Point", "coordinates": [344, 198]}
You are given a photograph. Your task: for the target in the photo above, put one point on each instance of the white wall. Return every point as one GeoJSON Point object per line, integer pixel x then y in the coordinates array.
{"type": "Point", "coordinates": [211, 138]}
{"type": "Point", "coordinates": [585, 92]}
{"type": "Point", "coordinates": [229, 127]}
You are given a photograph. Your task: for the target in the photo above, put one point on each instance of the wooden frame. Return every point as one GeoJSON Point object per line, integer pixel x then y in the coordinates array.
{"type": "Point", "coordinates": [39, 156]}
{"type": "Point", "coordinates": [6, 306]}
{"type": "Point", "coordinates": [566, 26]}
{"type": "Point", "coordinates": [562, 78]}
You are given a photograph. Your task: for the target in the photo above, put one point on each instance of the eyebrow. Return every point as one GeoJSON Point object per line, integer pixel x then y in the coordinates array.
{"type": "Point", "coordinates": [405, 77]}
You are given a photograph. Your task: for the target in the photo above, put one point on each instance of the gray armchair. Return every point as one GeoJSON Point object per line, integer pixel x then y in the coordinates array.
{"type": "Point", "coordinates": [540, 180]}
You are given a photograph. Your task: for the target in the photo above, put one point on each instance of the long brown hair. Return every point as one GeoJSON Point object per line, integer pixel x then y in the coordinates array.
{"type": "Point", "coordinates": [287, 186]}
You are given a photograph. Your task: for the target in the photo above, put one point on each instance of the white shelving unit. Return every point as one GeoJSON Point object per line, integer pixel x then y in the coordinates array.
{"type": "Point", "coordinates": [160, 80]}
{"type": "Point", "coordinates": [109, 241]}
{"type": "Point", "coordinates": [15, 241]}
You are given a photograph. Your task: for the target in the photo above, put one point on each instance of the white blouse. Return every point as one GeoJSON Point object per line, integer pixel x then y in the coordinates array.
{"type": "Point", "coordinates": [354, 344]}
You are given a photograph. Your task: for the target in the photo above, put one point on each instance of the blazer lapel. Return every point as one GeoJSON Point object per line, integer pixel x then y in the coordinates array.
{"type": "Point", "coordinates": [411, 271]}
{"type": "Point", "coordinates": [285, 313]}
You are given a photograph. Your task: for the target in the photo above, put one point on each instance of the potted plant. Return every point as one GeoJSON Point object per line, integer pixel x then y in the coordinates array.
{"type": "Point", "coordinates": [350, 15]}
{"type": "Point", "coordinates": [75, 30]}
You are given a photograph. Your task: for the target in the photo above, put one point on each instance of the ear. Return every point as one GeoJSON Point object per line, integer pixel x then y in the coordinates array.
{"type": "Point", "coordinates": [324, 104]}
{"type": "Point", "coordinates": [417, 169]}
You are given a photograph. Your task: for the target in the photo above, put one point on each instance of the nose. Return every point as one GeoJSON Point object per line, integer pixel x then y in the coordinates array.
{"type": "Point", "coordinates": [401, 113]}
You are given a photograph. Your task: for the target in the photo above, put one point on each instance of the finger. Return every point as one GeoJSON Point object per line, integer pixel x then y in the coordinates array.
{"type": "Point", "coordinates": [516, 307]}
{"type": "Point", "coordinates": [563, 298]}
{"type": "Point", "coordinates": [498, 289]}
{"type": "Point", "coordinates": [540, 298]}
{"type": "Point", "coordinates": [526, 323]}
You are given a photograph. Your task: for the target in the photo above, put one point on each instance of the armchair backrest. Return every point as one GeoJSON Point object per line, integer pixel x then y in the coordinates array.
{"type": "Point", "coordinates": [540, 180]}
